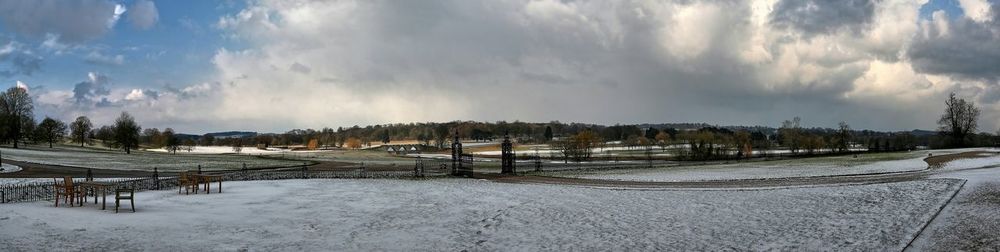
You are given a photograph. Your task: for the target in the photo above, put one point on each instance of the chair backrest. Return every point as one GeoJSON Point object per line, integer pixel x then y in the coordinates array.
{"type": "Point", "coordinates": [121, 191]}
{"type": "Point", "coordinates": [68, 181]}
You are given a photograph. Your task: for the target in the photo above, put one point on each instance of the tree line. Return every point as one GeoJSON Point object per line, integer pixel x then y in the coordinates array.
{"type": "Point", "coordinates": [18, 126]}
{"type": "Point", "coordinates": [699, 141]}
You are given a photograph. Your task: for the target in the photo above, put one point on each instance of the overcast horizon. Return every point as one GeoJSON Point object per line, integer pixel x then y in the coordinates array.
{"type": "Point", "coordinates": [271, 66]}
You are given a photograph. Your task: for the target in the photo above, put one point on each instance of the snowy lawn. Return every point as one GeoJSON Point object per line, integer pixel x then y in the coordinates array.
{"type": "Point", "coordinates": [5, 168]}
{"type": "Point", "coordinates": [475, 215]}
{"type": "Point", "coordinates": [751, 170]}
{"type": "Point", "coordinates": [971, 221]}
{"type": "Point", "coordinates": [803, 167]}
{"type": "Point", "coordinates": [222, 150]}
{"type": "Point", "coordinates": [138, 160]}
{"type": "Point", "coordinates": [987, 159]}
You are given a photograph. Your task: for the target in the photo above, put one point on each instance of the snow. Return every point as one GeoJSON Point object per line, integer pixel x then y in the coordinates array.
{"type": "Point", "coordinates": [657, 151]}
{"type": "Point", "coordinates": [807, 167]}
{"type": "Point", "coordinates": [13, 181]}
{"type": "Point", "coordinates": [750, 170]}
{"type": "Point", "coordinates": [143, 161]}
{"type": "Point", "coordinates": [971, 221]}
{"type": "Point", "coordinates": [475, 215]}
{"type": "Point", "coordinates": [968, 163]}
{"type": "Point", "coordinates": [430, 155]}
{"type": "Point", "coordinates": [8, 168]}
{"type": "Point", "coordinates": [222, 150]}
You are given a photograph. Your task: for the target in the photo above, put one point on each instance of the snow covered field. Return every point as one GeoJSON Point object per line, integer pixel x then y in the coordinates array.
{"type": "Point", "coordinates": [987, 159]}
{"type": "Point", "coordinates": [823, 166]}
{"type": "Point", "coordinates": [759, 170]}
{"type": "Point", "coordinates": [971, 221]}
{"type": "Point", "coordinates": [222, 150]}
{"type": "Point", "coordinates": [139, 160]}
{"type": "Point", "coordinates": [5, 168]}
{"type": "Point", "coordinates": [475, 215]}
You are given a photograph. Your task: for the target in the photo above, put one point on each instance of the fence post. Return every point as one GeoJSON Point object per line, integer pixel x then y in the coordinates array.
{"type": "Point", "coordinates": [156, 177]}
{"type": "Point", "coordinates": [199, 169]}
{"type": "Point", "coordinates": [304, 169]}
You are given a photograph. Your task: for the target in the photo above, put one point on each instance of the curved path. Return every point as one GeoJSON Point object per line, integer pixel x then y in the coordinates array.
{"type": "Point", "coordinates": [873, 178]}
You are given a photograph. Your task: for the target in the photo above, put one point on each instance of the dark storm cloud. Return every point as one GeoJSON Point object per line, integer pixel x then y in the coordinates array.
{"type": "Point", "coordinates": [18, 59]}
{"type": "Point", "coordinates": [299, 68]}
{"type": "Point", "coordinates": [95, 86]}
{"type": "Point", "coordinates": [813, 17]}
{"type": "Point", "coordinates": [72, 20]}
{"type": "Point", "coordinates": [966, 48]}
{"type": "Point", "coordinates": [20, 64]}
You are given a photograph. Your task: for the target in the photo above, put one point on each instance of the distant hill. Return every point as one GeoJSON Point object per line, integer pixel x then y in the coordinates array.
{"type": "Point", "coordinates": [920, 132]}
{"type": "Point", "coordinates": [233, 134]}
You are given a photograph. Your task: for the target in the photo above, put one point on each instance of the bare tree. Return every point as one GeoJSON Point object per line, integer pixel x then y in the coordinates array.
{"type": "Point", "coordinates": [16, 107]}
{"type": "Point", "coordinates": [80, 129]}
{"type": "Point", "coordinates": [238, 145]}
{"type": "Point", "coordinates": [843, 140]}
{"type": "Point", "coordinates": [959, 119]}
{"type": "Point", "coordinates": [171, 143]}
{"type": "Point", "coordinates": [791, 134]}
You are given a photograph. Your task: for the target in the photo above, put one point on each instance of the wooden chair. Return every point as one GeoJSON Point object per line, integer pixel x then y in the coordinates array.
{"type": "Point", "coordinates": [124, 194]}
{"type": "Point", "coordinates": [66, 189]}
{"type": "Point", "coordinates": [183, 181]}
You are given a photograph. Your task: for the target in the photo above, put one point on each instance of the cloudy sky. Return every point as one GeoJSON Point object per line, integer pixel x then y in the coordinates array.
{"type": "Point", "coordinates": [272, 65]}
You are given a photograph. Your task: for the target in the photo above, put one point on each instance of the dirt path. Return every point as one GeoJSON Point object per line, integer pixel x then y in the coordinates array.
{"type": "Point", "coordinates": [932, 162]}
{"type": "Point", "coordinates": [33, 170]}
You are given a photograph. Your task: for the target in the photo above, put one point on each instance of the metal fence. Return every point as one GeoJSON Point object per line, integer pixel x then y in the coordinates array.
{"type": "Point", "coordinates": [41, 191]}
{"type": "Point", "coordinates": [36, 191]}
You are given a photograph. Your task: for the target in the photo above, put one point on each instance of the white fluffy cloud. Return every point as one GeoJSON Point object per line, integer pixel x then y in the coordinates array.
{"type": "Point", "coordinates": [978, 10]}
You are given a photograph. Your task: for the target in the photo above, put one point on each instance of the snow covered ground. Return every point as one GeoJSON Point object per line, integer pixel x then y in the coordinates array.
{"type": "Point", "coordinates": [5, 168]}
{"type": "Point", "coordinates": [752, 171]}
{"type": "Point", "coordinates": [824, 166]}
{"type": "Point", "coordinates": [987, 159]}
{"type": "Point", "coordinates": [11, 181]}
{"type": "Point", "coordinates": [222, 150]}
{"type": "Point", "coordinates": [139, 160]}
{"type": "Point", "coordinates": [246, 150]}
{"type": "Point", "coordinates": [475, 215]}
{"type": "Point", "coordinates": [971, 221]}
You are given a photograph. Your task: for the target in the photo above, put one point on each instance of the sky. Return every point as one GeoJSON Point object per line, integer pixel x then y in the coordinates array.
{"type": "Point", "coordinates": [275, 65]}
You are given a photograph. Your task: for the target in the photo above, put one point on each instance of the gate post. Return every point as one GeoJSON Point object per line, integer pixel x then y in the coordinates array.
{"type": "Point", "coordinates": [456, 155]}
{"type": "Point", "coordinates": [304, 169]}
{"type": "Point", "coordinates": [507, 156]}
{"type": "Point", "coordinates": [156, 178]}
